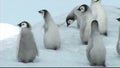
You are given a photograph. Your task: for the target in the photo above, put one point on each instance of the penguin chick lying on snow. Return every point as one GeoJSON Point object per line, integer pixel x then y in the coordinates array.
{"type": "Point", "coordinates": [51, 31]}
{"type": "Point", "coordinates": [27, 46]}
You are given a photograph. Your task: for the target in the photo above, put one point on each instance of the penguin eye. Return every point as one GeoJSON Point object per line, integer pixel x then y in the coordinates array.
{"type": "Point", "coordinates": [82, 9]}
{"type": "Point", "coordinates": [23, 25]}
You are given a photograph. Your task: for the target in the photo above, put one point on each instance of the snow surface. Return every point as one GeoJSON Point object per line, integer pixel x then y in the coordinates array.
{"type": "Point", "coordinates": [72, 52]}
{"type": "Point", "coordinates": [8, 30]}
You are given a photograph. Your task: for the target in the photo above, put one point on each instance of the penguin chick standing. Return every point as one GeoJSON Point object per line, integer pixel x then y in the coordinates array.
{"type": "Point", "coordinates": [71, 17]}
{"type": "Point", "coordinates": [96, 51]}
{"type": "Point", "coordinates": [118, 43]}
{"type": "Point", "coordinates": [51, 32]}
{"type": "Point", "coordinates": [27, 46]}
{"type": "Point", "coordinates": [86, 18]}
{"type": "Point", "coordinates": [100, 15]}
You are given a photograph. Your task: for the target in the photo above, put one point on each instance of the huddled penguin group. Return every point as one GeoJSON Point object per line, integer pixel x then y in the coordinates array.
{"type": "Point", "coordinates": [91, 22]}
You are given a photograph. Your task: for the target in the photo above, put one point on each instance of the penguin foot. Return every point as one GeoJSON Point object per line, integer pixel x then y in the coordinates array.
{"type": "Point", "coordinates": [104, 64]}
{"type": "Point", "coordinates": [30, 60]}
{"type": "Point", "coordinates": [93, 64]}
{"type": "Point", "coordinates": [55, 48]}
{"type": "Point", "coordinates": [85, 43]}
{"type": "Point", "coordinates": [105, 34]}
{"type": "Point", "coordinates": [24, 61]}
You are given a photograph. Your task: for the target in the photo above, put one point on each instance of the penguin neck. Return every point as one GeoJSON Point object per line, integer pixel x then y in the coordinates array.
{"type": "Point", "coordinates": [48, 18]}
{"type": "Point", "coordinates": [119, 33]}
{"type": "Point", "coordinates": [94, 31]}
{"type": "Point", "coordinates": [97, 3]}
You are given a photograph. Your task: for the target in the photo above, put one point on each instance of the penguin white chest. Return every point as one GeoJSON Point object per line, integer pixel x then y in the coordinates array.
{"type": "Point", "coordinates": [100, 15]}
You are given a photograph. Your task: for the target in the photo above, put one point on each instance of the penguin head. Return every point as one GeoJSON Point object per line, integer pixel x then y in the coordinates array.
{"type": "Point", "coordinates": [43, 12]}
{"type": "Point", "coordinates": [69, 20]}
{"type": "Point", "coordinates": [95, 1]}
{"type": "Point", "coordinates": [83, 8]}
{"type": "Point", "coordinates": [24, 24]}
{"type": "Point", "coordinates": [94, 24]}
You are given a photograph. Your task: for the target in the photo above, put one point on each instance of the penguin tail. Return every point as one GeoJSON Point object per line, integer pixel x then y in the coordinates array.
{"type": "Point", "coordinates": [105, 34]}
{"type": "Point", "coordinates": [85, 43]}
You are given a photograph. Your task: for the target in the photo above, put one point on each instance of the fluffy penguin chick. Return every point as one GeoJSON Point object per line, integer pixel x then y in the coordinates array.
{"type": "Point", "coordinates": [51, 32]}
{"type": "Point", "coordinates": [96, 51]}
{"type": "Point", "coordinates": [100, 15]}
{"type": "Point", "coordinates": [86, 18]}
{"type": "Point", "coordinates": [71, 17]}
{"type": "Point", "coordinates": [118, 43]}
{"type": "Point", "coordinates": [27, 46]}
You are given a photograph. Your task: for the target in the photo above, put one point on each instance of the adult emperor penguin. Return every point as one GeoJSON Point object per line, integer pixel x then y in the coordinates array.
{"type": "Point", "coordinates": [100, 15]}
{"type": "Point", "coordinates": [118, 43]}
{"type": "Point", "coordinates": [71, 17]}
{"type": "Point", "coordinates": [86, 18]}
{"type": "Point", "coordinates": [96, 51]}
{"type": "Point", "coordinates": [27, 51]}
{"type": "Point", "coordinates": [51, 31]}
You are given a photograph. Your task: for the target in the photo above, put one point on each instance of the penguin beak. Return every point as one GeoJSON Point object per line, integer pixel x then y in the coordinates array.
{"type": "Point", "coordinates": [39, 12]}
{"type": "Point", "coordinates": [68, 24]}
{"type": "Point", "coordinates": [79, 9]}
{"type": "Point", "coordinates": [118, 19]}
{"type": "Point", "coordinates": [18, 25]}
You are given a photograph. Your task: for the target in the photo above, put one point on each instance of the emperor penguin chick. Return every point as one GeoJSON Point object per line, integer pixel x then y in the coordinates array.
{"type": "Point", "coordinates": [27, 47]}
{"type": "Point", "coordinates": [71, 17]}
{"type": "Point", "coordinates": [51, 31]}
{"type": "Point", "coordinates": [118, 43]}
{"type": "Point", "coordinates": [86, 18]}
{"type": "Point", "coordinates": [100, 15]}
{"type": "Point", "coordinates": [96, 51]}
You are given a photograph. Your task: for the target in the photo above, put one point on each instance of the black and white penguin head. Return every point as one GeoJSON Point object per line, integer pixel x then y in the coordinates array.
{"type": "Point", "coordinates": [83, 8]}
{"type": "Point", "coordinates": [69, 20]}
{"type": "Point", "coordinates": [94, 1]}
{"type": "Point", "coordinates": [24, 24]}
{"type": "Point", "coordinates": [94, 24]}
{"type": "Point", "coordinates": [43, 12]}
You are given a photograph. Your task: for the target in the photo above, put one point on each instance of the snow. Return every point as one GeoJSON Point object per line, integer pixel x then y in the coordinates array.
{"type": "Point", "coordinates": [71, 54]}
{"type": "Point", "coordinates": [8, 30]}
